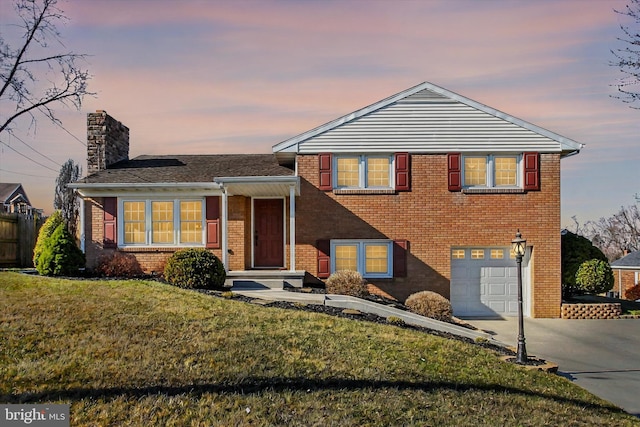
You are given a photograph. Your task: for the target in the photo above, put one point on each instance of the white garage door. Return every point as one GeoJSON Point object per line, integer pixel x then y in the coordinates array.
{"type": "Point", "coordinates": [484, 282]}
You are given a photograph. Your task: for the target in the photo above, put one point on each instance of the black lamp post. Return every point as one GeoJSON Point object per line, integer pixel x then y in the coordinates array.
{"type": "Point", "coordinates": [518, 246]}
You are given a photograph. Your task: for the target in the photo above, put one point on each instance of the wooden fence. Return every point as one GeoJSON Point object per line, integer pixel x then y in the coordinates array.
{"type": "Point", "coordinates": [18, 235]}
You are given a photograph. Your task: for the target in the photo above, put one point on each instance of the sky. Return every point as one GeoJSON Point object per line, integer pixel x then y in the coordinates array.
{"type": "Point", "coordinates": [208, 77]}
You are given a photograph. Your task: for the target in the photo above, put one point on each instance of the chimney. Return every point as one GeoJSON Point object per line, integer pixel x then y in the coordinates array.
{"type": "Point", "coordinates": [107, 141]}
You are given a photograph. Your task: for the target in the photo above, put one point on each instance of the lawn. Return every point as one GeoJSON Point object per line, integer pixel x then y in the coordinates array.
{"type": "Point", "coordinates": [144, 353]}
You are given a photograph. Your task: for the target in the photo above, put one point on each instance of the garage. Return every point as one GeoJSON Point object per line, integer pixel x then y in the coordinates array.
{"type": "Point", "coordinates": [484, 282]}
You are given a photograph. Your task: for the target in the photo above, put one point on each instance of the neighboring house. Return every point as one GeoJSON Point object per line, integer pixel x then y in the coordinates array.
{"type": "Point", "coordinates": [423, 190]}
{"type": "Point", "coordinates": [14, 199]}
{"type": "Point", "coordinates": [626, 271]}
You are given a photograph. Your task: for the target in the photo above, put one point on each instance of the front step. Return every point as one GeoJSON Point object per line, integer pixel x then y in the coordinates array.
{"type": "Point", "coordinates": [264, 279]}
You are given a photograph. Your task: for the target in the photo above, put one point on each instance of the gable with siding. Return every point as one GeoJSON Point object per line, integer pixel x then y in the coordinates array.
{"type": "Point", "coordinates": [427, 119]}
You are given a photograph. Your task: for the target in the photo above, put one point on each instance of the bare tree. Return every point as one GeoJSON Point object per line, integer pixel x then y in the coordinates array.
{"type": "Point", "coordinates": [65, 198]}
{"type": "Point", "coordinates": [617, 233]}
{"type": "Point", "coordinates": [34, 76]}
{"type": "Point", "coordinates": [628, 58]}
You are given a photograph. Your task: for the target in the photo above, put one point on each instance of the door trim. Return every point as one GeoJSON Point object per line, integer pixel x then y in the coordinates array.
{"type": "Point", "coordinates": [284, 232]}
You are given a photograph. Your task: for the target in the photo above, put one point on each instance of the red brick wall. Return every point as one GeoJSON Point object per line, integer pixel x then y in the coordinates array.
{"type": "Point", "coordinates": [434, 220]}
{"type": "Point", "coordinates": [624, 279]}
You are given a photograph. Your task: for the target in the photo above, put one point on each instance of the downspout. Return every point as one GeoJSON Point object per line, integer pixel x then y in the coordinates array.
{"type": "Point", "coordinates": [292, 228]}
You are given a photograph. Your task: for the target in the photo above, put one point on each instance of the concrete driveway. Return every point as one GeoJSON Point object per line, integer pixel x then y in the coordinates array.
{"type": "Point", "coordinates": [602, 356]}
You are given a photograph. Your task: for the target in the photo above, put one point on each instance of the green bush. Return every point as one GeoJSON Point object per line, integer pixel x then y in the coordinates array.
{"type": "Point", "coordinates": [119, 264]}
{"type": "Point", "coordinates": [633, 293]}
{"type": "Point", "coordinates": [594, 277]}
{"type": "Point", "coordinates": [195, 268]}
{"type": "Point", "coordinates": [45, 232]}
{"type": "Point", "coordinates": [60, 256]}
{"type": "Point", "coordinates": [430, 304]}
{"type": "Point", "coordinates": [575, 250]}
{"type": "Point", "coordinates": [347, 282]}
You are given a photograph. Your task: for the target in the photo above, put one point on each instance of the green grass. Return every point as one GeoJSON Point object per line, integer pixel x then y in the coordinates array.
{"type": "Point", "coordinates": [144, 353]}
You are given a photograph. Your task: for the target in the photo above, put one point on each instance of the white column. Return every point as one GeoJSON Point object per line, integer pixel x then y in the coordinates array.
{"type": "Point", "coordinates": [224, 229]}
{"type": "Point", "coordinates": [82, 222]}
{"type": "Point", "coordinates": [292, 228]}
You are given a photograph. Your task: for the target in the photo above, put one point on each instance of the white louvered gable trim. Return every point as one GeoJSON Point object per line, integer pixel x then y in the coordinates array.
{"type": "Point", "coordinates": [427, 119]}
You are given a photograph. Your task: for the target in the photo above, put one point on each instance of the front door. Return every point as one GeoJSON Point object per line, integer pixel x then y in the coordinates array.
{"type": "Point", "coordinates": [268, 233]}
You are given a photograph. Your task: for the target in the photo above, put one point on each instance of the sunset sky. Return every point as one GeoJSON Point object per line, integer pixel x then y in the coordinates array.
{"type": "Point", "coordinates": [206, 77]}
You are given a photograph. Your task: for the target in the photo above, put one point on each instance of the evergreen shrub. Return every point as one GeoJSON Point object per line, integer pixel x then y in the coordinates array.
{"type": "Point", "coordinates": [195, 268]}
{"type": "Point", "coordinates": [594, 277]}
{"type": "Point", "coordinates": [60, 255]}
{"type": "Point", "coordinates": [45, 232]}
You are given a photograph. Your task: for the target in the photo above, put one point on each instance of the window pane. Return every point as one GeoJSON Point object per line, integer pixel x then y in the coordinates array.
{"type": "Point", "coordinates": [475, 171]}
{"type": "Point", "coordinates": [376, 259]}
{"type": "Point", "coordinates": [378, 172]}
{"type": "Point", "coordinates": [162, 222]}
{"type": "Point", "coordinates": [477, 253]}
{"type": "Point", "coordinates": [457, 254]}
{"type": "Point", "coordinates": [348, 175]}
{"type": "Point", "coordinates": [497, 254]}
{"type": "Point", "coordinates": [134, 222]}
{"type": "Point", "coordinates": [346, 257]}
{"type": "Point", "coordinates": [191, 222]}
{"type": "Point", "coordinates": [506, 170]}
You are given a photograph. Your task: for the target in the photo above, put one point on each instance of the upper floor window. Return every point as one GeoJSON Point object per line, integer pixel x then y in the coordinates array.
{"type": "Point", "coordinates": [162, 222]}
{"type": "Point", "coordinates": [490, 171]}
{"type": "Point", "coordinates": [363, 171]}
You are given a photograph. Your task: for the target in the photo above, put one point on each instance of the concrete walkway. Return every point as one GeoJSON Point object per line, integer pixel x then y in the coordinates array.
{"type": "Point", "coordinates": [602, 356]}
{"type": "Point", "coordinates": [365, 306]}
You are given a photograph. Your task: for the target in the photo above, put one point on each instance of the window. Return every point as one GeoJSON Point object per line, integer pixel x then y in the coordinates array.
{"type": "Point", "coordinates": [371, 258]}
{"type": "Point", "coordinates": [491, 171]}
{"type": "Point", "coordinates": [477, 253]}
{"type": "Point", "coordinates": [162, 222]}
{"type": "Point", "coordinates": [457, 254]}
{"type": "Point", "coordinates": [363, 171]}
{"type": "Point", "coordinates": [497, 254]}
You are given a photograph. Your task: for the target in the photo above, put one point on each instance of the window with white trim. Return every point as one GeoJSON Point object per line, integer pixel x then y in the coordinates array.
{"type": "Point", "coordinates": [363, 171]}
{"type": "Point", "coordinates": [170, 222]}
{"type": "Point", "coordinates": [371, 258]}
{"type": "Point", "coordinates": [491, 171]}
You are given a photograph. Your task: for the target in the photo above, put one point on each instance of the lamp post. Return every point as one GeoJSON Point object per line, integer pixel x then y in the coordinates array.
{"type": "Point", "coordinates": [518, 246]}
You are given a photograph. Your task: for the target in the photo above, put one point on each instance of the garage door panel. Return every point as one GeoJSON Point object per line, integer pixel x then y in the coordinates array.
{"type": "Point", "coordinates": [484, 287]}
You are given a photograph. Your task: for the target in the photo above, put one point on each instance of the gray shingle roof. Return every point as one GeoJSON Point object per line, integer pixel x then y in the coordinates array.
{"type": "Point", "coordinates": [188, 168]}
{"type": "Point", "coordinates": [630, 260]}
{"type": "Point", "coordinates": [8, 190]}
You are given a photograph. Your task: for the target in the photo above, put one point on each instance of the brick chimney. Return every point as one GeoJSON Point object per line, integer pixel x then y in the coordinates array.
{"type": "Point", "coordinates": [107, 141]}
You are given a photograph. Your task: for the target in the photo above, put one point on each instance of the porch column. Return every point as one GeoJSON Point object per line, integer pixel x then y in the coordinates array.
{"type": "Point", "coordinates": [82, 222]}
{"type": "Point", "coordinates": [224, 229]}
{"type": "Point", "coordinates": [292, 228]}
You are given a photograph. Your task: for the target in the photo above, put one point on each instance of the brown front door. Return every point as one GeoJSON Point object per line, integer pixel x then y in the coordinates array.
{"type": "Point", "coordinates": [268, 235]}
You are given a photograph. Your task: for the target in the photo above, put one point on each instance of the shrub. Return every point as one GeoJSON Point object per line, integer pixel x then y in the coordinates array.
{"type": "Point", "coordinates": [347, 282]}
{"type": "Point", "coordinates": [194, 268]}
{"type": "Point", "coordinates": [60, 256]}
{"type": "Point", "coordinates": [633, 293]}
{"type": "Point", "coordinates": [45, 232]}
{"type": "Point", "coordinates": [119, 264]}
{"type": "Point", "coordinates": [430, 304]}
{"type": "Point", "coordinates": [575, 250]}
{"type": "Point", "coordinates": [594, 277]}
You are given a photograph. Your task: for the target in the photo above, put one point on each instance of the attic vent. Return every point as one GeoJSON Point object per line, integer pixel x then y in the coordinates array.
{"type": "Point", "coordinates": [425, 95]}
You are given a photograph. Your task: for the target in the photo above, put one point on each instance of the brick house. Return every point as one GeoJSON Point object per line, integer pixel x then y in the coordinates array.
{"type": "Point", "coordinates": [423, 190]}
{"type": "Point", "coordinates": [626, 272]}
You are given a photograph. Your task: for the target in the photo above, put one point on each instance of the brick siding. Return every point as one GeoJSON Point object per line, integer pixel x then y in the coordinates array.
{"type": "Point", "coordinates": [434, 220]}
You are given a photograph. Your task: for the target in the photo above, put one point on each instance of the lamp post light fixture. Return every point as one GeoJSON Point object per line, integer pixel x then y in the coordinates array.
{"type": "Point", "coordinates": [518, 246]}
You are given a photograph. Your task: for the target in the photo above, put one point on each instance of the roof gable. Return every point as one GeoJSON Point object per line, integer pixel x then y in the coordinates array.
{"type": "Point", "coordinates": [430, 119]}
{"type": "Point", "coordinates": [10, 190]}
